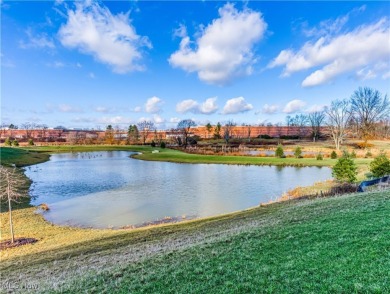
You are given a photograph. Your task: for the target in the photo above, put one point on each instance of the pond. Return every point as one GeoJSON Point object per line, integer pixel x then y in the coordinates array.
{"type": "Point", "coordinates": [110, 189]}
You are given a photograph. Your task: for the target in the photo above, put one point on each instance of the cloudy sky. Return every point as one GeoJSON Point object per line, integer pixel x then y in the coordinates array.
{"type": "Point", "coordinates": [89, 64]}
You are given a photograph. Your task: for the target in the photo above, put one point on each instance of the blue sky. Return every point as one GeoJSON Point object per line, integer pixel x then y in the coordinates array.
{"type": "Point", "coordinates": [90, 64]}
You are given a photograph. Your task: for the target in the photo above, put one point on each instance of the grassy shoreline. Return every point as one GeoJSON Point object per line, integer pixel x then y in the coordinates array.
{"type": "Point", "coordinates": [171, 155]}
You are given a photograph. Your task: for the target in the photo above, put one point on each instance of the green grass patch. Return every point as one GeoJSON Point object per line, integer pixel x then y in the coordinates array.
{"type": "Point", "coordinates": [334, 245]}
{"type": "Point", "coordinates": [21, 157]}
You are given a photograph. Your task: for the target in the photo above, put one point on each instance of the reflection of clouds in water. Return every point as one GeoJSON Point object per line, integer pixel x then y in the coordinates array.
{"type": "Point", "coordinates": [111, 189]}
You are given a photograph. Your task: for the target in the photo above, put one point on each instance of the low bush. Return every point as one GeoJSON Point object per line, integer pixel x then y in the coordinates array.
{"type": "Point", "coordinates": [345, 169]}
{"type": "Point", "coordinates": [380, 166]}
{"type": "Point", "coordinates": [279, 152]}
{"type": "Point", "coordinates": [7, 142]}
{"type": "Point", "coordinates": [319, 156]}
{"type": "Point", "coordinates": [298, 152]}
{"type": "Point", "coordinates": [333, 155]}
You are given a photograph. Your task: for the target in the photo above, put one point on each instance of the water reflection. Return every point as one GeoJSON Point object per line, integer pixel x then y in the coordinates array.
{"type": "Point", "coordinates": [103, 189]}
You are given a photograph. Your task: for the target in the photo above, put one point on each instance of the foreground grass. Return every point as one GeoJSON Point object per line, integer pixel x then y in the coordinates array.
{"type": "Point", "coordinates": [319, 246]}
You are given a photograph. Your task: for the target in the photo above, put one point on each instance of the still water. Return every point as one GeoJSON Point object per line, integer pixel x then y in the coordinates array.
{"type": "Point", "coordinates": [110, 189]}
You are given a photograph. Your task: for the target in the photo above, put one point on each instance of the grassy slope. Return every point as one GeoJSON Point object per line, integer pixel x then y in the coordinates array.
{"type": "Point", "coordinates": [320, 246]}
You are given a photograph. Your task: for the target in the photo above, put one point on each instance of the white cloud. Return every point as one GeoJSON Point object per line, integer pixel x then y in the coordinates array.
{"type": "Point", "coordinates": [293, 106]}
{"type": "Point", "coordinates": [115, 120]}
{"type": "Point", "coordinates": [270, 109]}
{"type": "Point", "coordinates": [331, 26]}
{"type": "Point", "coordinates": [236, 105]}
{"type": "Point", "coordinates": [315, 108]}
{"type": "Point", "coordinates": [91, 75]}
{"type": "Point", "coordinates": [328, 26]}
{"type": "Point", "coordinates": [386, 75]}
{"type": "Point", "coordinates": [141, 119]}
{"type": "Point", "coordinates": [186, 106]}
{"type": "Point", "coordinates": [181, 31]}
{"type": "Point", "coordinates": [365, 74]}
{"type": "Point", "coordinates": [83, 120]}
{"type": "Point", "coordinates": [224, 49]}
{"type": "Point", "coordinates": [153, 105]}
{"type": "Point", "coordinates": [365, 46]}
{"type": "Point", "coordinates": [103, 109]}
{"type": "Point", "coordinates": [68, 108]}
{"type": "Point", "coordinates": [174, 120]}
{"type": "Point", "coordinates": [111, 39]}
{"type": "Point", "coordinates": [208, 107]}
{"type": "Point", "coordinates": [36, 41]}
{"type": "Point", "coordinates": [137, 109]}
{"type": "Point", "coordinates": [158, 120]}
{"type": "Point", "coordinates": [56, 64]}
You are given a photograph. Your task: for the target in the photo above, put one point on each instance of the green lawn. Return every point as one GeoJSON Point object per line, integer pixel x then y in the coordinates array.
{"type": "Point", "coordinates": [333, 245]}
{"type": "Point", "coordinates": [21, 157]}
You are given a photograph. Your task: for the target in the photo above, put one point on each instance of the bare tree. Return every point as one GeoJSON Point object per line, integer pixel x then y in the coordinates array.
{"type": "Point", "coordinates": [42, 131]}
{"type": "Point", "coordinates": [28, 127]}
{"type": "Point", "coordinates": [289, 122]}
{"type": "Point", "coordinates": [11, 183]}
{"type": "Point", "coordinates": [300, 121]}
{"type": "Point", "coordinates": [249, 131]}
{"type": "Point", "coordinates": [269, 128]}
{"type": "Point", "coordinates": [12, 127]}
{"type": "Point", "coordinates": [368, 107]}
{"type": "Point", "coordinates": [117, 134]}
{"type": "Point", "coordinates": [145, 127]}
{"type": "Point", "coordinates": [184, 127]}
{"type": "Point", "coordinates": [384, 128]}
{"type": "Point", "coordinates": [316, 119]}
{"type": "Point", "coordinates": [338, 117]}
{"type": "Point", "coordinates": [228, 130]}
{"type": "Point", "coordinates": [3, 129]}
{"type": "Point", "coordinates": [279, 130]}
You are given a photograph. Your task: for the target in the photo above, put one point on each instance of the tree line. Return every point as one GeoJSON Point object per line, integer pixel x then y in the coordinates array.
{"type": "Point", "coordinates": [365, 115]}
